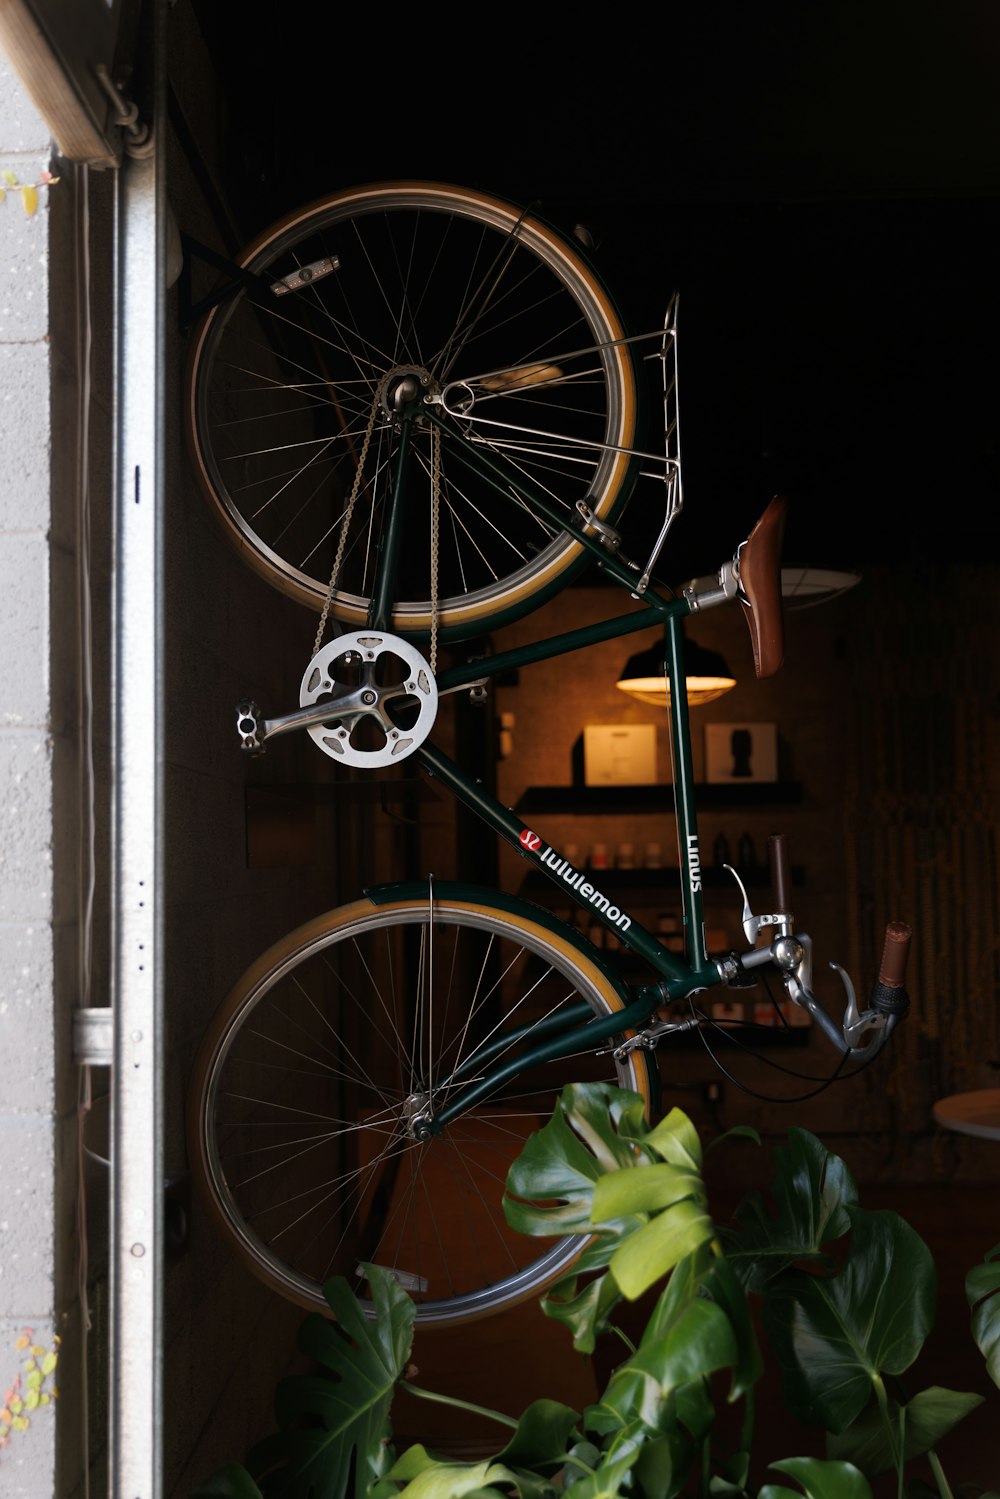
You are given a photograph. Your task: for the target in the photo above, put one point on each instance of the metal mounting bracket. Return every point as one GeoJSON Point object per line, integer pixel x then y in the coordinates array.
{"type": "Point", "coordinates": [93, 1036]}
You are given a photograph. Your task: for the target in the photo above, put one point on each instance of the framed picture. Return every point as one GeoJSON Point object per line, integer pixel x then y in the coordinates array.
{"type": "Point", "coordinates": [619, 754]}
{"type": "Point", "coordinates": [737, 752]}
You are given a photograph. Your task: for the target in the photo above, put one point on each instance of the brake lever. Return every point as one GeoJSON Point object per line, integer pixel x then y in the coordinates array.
{"type": "Point", "coordinates": [862, 1033]}
{"type": "Point", "coordinates": [752, 924]}
{"type": "Point", "coordinates": [889, 1000]}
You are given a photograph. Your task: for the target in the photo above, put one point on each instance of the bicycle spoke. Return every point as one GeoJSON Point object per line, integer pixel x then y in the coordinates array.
{"type": "Point", "coordinates": [322, 1096]}
{"type": "Point", "coordinates": [447, 283]}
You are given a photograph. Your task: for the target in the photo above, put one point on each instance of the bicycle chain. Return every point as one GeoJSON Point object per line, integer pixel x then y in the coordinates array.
{"type": "Point", "coordinates": [349, 515]}
{"type": "Point", "coordinates": [435, 507]}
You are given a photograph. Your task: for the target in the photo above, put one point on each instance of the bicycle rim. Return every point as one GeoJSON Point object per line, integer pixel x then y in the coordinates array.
{"type": "Point", "coordinates": [305, 1087]}
{"type": "Point", "coordinates": [493, 307]}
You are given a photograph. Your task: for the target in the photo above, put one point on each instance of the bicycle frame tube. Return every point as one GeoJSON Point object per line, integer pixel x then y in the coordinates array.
{"type": "Point", "coordinates": [559, 645]}
{"type": "Point", "coordinates": [678, 977]}
{"type": "Point", "coordinates": [579, 1037]}
{"type": "Point", "coordinates": [490, 469]}
{"type": "Point", "coordinates": [684, 808]}
{"type": "Point", "coordinates": [681, 977]}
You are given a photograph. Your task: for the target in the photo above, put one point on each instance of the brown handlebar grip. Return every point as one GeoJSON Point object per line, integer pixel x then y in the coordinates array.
{"type": "Point", "coordinates": [781, 881]}
{"type": "Point", "coordinates": [896, 950]}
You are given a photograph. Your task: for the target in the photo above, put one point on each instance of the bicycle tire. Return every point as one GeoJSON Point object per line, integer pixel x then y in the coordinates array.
{"type": "Point", "coordinates": [297, 1131]}
{"type": "Point", "coordinates": [459, 284]}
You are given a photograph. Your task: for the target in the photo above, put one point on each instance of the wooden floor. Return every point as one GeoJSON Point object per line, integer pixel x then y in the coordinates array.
{"type": "Point", "coordinates": [507, 1361]}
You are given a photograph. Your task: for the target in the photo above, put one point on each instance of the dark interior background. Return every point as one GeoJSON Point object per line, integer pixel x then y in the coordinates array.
{"type": "Point", "coordinates": [819, 182]}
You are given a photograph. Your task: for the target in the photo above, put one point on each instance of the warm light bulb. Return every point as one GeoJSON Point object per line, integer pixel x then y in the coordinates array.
{"type": "Point", "coordinates": [654, 692]}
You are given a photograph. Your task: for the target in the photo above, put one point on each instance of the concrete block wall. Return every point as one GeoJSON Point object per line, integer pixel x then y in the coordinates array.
{"type": "Point", "coordinates": [30, 1119]}
{"type": "Point", "coordinates": [226, 1339]}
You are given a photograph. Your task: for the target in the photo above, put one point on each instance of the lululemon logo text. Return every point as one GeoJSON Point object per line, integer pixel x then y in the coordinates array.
{"type": "Point", "coordinates": [575, 880]}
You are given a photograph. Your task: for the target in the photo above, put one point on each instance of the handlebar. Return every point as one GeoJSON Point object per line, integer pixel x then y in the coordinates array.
{"type": "Point", "coordinates": [862, 1033]}
{"type": "Point", "coordinates": [777, 846]}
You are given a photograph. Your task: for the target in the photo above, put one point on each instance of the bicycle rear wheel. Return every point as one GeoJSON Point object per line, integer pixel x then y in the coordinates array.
{"type": "Point", "coordinates": [503, 320]}
{"type": "Point", "coordinates": [311, 1075]}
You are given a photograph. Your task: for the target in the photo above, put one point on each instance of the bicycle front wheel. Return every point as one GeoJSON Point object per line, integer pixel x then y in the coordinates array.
{"type": "Point", "coordinates": [310, 1083]}
{"type": "Point", "coordinates": [505, 326]}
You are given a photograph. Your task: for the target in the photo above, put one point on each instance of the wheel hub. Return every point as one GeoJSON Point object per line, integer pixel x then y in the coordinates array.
{"type": "Point", "coordinates": [405, 390]}
{"type": "Point", "coordinates": [417, 1115]}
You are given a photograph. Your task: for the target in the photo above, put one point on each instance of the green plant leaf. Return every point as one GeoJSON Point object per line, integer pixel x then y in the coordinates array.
{"type": "Point", "coordinates": [700, 1342]}
{"type": "Point", "coordinates": [833, 1335]}
{"type": "Point", "coordinates": [585, 1312]}
{"type": "Point", "coordinates": [543, 1437]}
{"type": "Point", "coordinates": [625, 1194]}
{"type": "Point", "coordinates": [429, 1478]}
{"type": "Point", "coordinates": [595, 1128]}
{"type": "Point", "coordinates": [649, 1252]}
{"type": "Point", "coordinates": [928, 1417]}
{"type": "Point", "coordinates": [812, 1191]}
{"type": "Point", "coordinates": [550, 1186]}
{"type": "Point", "coordinates": [655, 1469]}
{"type": "Point", "coordinates": [646, 1388]}
{"type": "Point", "coordinates": [608, 1479]}
{"type": "Point", "coordinates": [675, 1139]}
{"type": "Point", "coordinates": [229, 1482]}
{"type": "Point", "coordinates": [333, 1422]}
{"type": "Point", "coordinates": [982, 1291]}
{"type": "Point", "coordinates": [722, 1285]}
{"type": "Point", "coordinates": [819, 1479]}
{"type": "Point", "coordinates": [413, 1461]}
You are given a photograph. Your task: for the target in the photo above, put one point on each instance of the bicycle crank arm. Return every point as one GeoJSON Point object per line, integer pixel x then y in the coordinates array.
{"type": "Point", "coordinates": [255, 730]}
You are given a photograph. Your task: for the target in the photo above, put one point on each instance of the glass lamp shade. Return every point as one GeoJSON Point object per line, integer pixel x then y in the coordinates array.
{"type": "Point", "coordinates": [647, 676]}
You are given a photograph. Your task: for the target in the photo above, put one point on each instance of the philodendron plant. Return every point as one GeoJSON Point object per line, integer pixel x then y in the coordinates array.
{"type": "Point", "coordinates": [846, 1300]}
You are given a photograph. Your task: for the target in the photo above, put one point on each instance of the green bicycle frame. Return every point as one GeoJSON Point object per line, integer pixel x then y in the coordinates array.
{"type": "Point", "coordinates": [678, 978]}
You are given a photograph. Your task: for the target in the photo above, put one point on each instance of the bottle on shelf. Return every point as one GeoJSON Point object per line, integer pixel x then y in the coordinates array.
{"type": "Point", "coordinates": [599, 856]}
{"type": "Point", "coordinates": [747, 853]}
{"type": "Point", "coordinates": [720, 851]}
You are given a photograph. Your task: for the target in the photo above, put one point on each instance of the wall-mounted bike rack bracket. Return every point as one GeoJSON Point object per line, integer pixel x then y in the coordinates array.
{"type": "Point", "coordinates": [189, 311]}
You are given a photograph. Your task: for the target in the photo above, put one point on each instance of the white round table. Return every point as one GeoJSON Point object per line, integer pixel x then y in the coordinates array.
{"type": "Point", "coordinates": [976, 1113]}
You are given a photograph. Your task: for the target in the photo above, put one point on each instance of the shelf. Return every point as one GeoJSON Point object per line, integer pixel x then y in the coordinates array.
{"type": "Point", "coordinates": [611, 799]}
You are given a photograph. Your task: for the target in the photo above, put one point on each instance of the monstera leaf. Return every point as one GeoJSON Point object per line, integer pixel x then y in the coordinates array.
{"type": "Point", "coordinates": [595, 1128]}
{"type": "Point", "coordinates": [812, 1191]}
{"type": "Point", "coordinates": [818, 1480]}
{"type": "Point", "coordinates": [982, 1291]}
{"type": "Point", "coordinates": [872, 1442]}
{"type": "Point", "coordinates": [543, 1436]}
{"type": "Point", "coordinates": [426, 1477]}
{"type": "Point", "coordinates": [229, 1482]}
{"type": "Point", "coordinates": [331, 1424]}
{"type": "Point", "coordinates": [835, 1335]}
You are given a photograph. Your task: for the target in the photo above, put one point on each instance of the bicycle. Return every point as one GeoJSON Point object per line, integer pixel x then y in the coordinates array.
{"type": "Point", "coordinates": [442, 410]}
